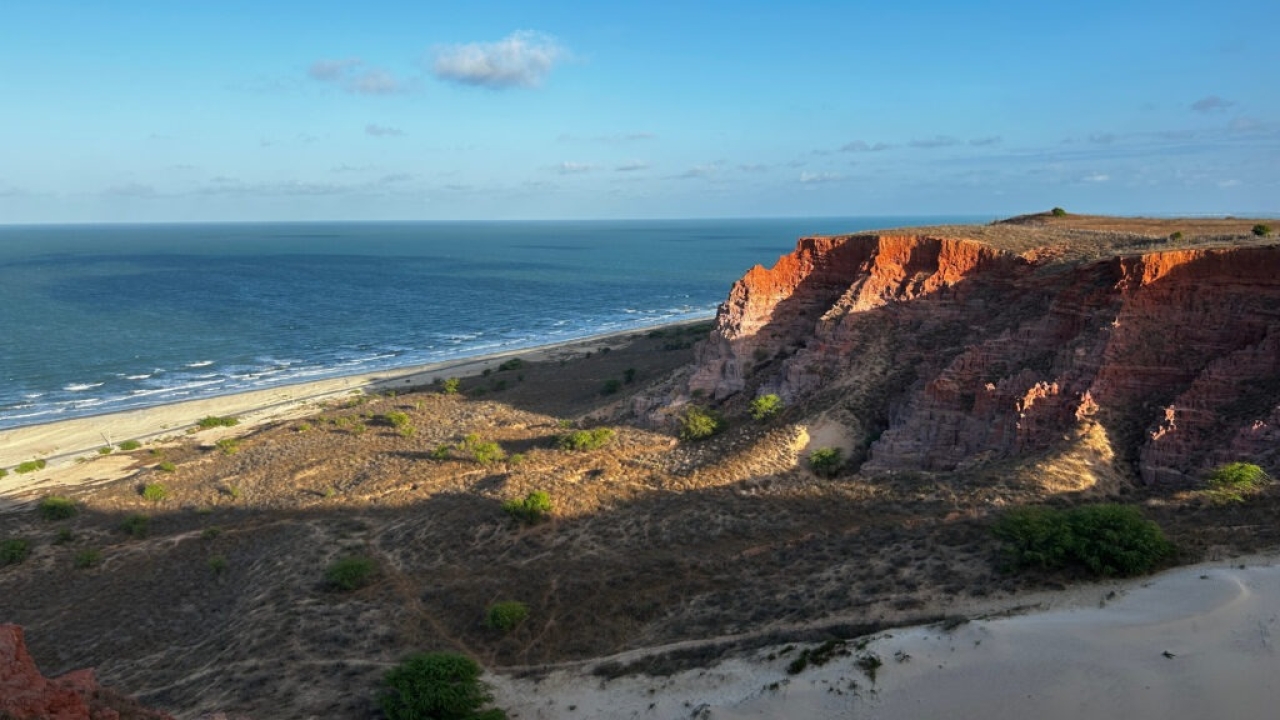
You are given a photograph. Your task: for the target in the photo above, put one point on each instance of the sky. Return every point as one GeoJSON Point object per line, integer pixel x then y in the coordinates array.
{"type": "Point", "coordinates": [179, 110]}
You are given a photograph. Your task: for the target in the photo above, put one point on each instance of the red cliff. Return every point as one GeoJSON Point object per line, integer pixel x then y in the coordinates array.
{"type": "Point", "coordinates": [942, 352]}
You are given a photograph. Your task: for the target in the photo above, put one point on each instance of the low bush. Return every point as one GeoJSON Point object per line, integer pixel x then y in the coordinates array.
{"type": "Point", "coordinates": [481, 451]}
{"type": "Point", "coordinates": [349, 573]}
{"type": "Point", "coordinates": [13, 551]}
{"type": "Point", "coordinates": [129, 445]}
{"type": "Point", "coordinates": [138, 526]}
{"type": "Point", "coordinates": [154, 492]}
{"type": "Point", "coordinates": [213, 421]}
{"type": "Point", "coordinates": [581, 440]}
{"type": "Point", "coordinates": [87, 558]}
{"type": "Point", "coordinates": [611, 386]}
{"type": "Point", "coordinates": [1101, 539]}
{"type": "Point", "coordinates": [1058, 212]}
{"type": "Point", "coordinates": [512, 364]}
{"type": "Point", "coordinates": [3, 472]}
{"type": "Point", "coordinates": [1261, 230]}
{"type": "Point", "coordinates": [436, 686]}
{"type": "Point", "coordinates": [449, 386]}
{"type": "Point", "coordinates": [441, 452]}
{"type": "Point", "coordinates": [699, 423]}
{"type": "Point", "coordinates": [506, 616]}
{"type": "Point", "coordinates": [765, 407]}
{"type": "Point", "coordinates": [30, 466]}
{"type": "Point", "coordinates": [533, 508]}
{"type": "Point", "coordinates": [57, 507]}
{"type": "Point", "coordinates": [218, 564]}
{"type": "Point", "coordinates": [826, 461]}
{"type": "Point", "coordinates": [167, 466]}
{"type": "Point", "coordinates": [396, 419]}
{"type": "Point", "coordinates": [228, 446]}
{"type": "Point", "coordinates": [106, 450]}
{"type": "Point", "coordinates": [1232, 482]}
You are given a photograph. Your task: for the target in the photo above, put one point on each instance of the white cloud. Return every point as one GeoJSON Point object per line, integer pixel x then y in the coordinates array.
{"type": "Point", "coordinates": [699, 171]}
{"type": "Point", "coordinates": [936, 141]}
{"type": "Point", "coordinates": [382, 131]}
{"type": "Point", "coordinates": [1096, 177]}
{"type": "Point", "coordinates": [632, 166]}
{"type": "Point", "coordinates": [1211, 103]}
{"type": "Point", "coordinates": [986, 141]}
{"type": "Point", "coordinates": [809, 178]}
{"type": "Point", "coordinates": [522, 59]}
{"type": "Point", "coordinates": [863, 146]}
{"type": "Point", "coordinates": [354, 76]}
{"type": "Point", "coordinates": [573, 168]}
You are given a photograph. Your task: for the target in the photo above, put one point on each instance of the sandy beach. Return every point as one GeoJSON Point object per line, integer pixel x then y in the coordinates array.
{"type": "Point", "coordinates": [1193, 642]}
{"type": "Point", "coordinates": [63, 442]}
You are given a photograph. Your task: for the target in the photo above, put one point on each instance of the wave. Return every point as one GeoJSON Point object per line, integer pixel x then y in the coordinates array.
{"type": "Point", "coordinates": [80, 387]}
{"type": "Point", "coordinates": [137, 377]}
{"type": "Point", "coordinates": [199, 364]}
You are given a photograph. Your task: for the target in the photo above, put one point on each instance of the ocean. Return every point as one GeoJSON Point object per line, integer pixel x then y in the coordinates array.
{"type": "Point", "coordinates": [101, 318]}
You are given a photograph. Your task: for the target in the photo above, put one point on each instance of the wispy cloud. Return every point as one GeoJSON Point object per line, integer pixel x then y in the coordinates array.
{"type": "Point", "coordinates": [353, 75]}
{"type": "Point", "coordinates": [615, 139]}
{"type": "Point", "coordinates": [1096, 177]}
{"type": "Point", "coordinates": [1211, 103]}
{"type": "Point", "coordinates": [574, 168]}
{"type": "Point", "coordinates": [1102, 138]}
{"type": "Point", "coordinates": [632, 166]}
{"type": "Point", "coordinates": [382, 131]}
{"type": "Point", "coordinates": [986, 141]}
{"type": "Point", "coordinates": [698, 171]}
{"type": "Point", "coordinates": [809, 178]}
{"type": "Point", "coordinates": [522, 59]}
{"type": "Point", "coordinates": [937, 141]}
{"type": "Point", "coordinates": [863, 146]}
{"type": "Point", "coordinates": [134, 190]}
{"type": "Point", "coordinates": [754, 168]}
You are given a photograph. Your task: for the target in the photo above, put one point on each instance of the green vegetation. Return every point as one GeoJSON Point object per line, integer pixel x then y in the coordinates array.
{"type": "Point", "coordinates": [214, 421]}
{"type": "Point", "coordinates": [505, 616]}
{"type": "Point", "coordinates": [105, 450]}
{"type": "Point", "coordinates": [534, 508]}
{"type": "Point", "coordinates": [129, 445]}
{"type": "Point", "coordinates": [1176, 236]}
{"type": "Point", "coordinates": [30, 466]}
{"type": "Point", "coordinates": [1233, 482]}
{"type": "Point", "coordinates": [400, 421]}
{"type": "Point", "coordinates": [3, 472]}
{"type": "Point", "coordinates": [349, 573]}
{"type": "Point", "coordinates": [64, 536]}
{"type": "Point", "coordinates": [826, 461]}
{"type": "Point", "coordinates": [449, 386]}
{"type": "Point", "coordinates": [611, 386]}
{"type": "Point", "coordinates": [167, 466]}
{"type": "Point", "coordinates": [629, 375]}
{"type": "Point", "coordinates": [57, 507]}
{"type": "Point", "coordinates": [481, 451]}
{"type": "Point", "coordinates": [581, 440]}
{"type": "Point", "coordinates": [441, 452]}
{"type": "Point", "coordinates": [436, 686]}
{"type": "Point", "coordinates": [138, 526]}
{"type": "Point", "coordinates": [1261, 230]}
{"type": "Point", "coordinates": [765, 407]}
{"type": "Point", "coordinates": [512, 364]}
{"type": "Point", "coordinates": [699, 423]}
{"type": "Point", "coordinates": [228, 446]}
{"type": "Point", "coordinates": [87, 558]}
{"type": "Point", "coordinates": [1058, 212]}
{"type": "Point", "coordinates": [218, 564]}
{"type": "Point", "coordinates": [154, 492]}
{"type": "Point", "coordinates": [1102, 539]}
{"type": "Point", "coordinates": [13, 551]}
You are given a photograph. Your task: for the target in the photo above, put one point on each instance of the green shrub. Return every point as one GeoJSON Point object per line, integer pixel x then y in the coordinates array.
{"type": "Point", "coordinates": [167, 466]}
{"type": "Point", "coordinates": [213, 421]}
{"type": "Point", "coordinates": [512, 364]}
{"type": "Point", "coordinates": [629, 375]}
{"type": "Point", "coordinates": [3, 472]}
{"type": "Point", "coordinates": [1176, 236]}
{"type": "Point", "coordinates": [396, 419]}
{"type": "Point", "coordinates": [13, 551]}
{"type": "Point", "coordinates": [505, 616]}
{"type": "Point", "coordinates": [87, 558]}
{"type": "Point", "coordinates": [581, 440]}
{"type": "Point", "coordinates": [449, 386]}
{"type": "Point", "coordinates": [64, 536]}
{"type": "Point", "coordinates": [129, 445]}
{"type": "Point", "coordinates": [611, 386]}
{"type": "Point", "coordinates": [1234, 481]}
{"type": "Point", "coordinates": [154, 492]}
{"type": "Point", "coordinates": [349, 573]}
{"type": "Point", "coordinates": [228, 446]}
{"type": "Point", "coordinates": [481, 451]}
{"type": "Point", "coordinates": [105, 450]}
{"type": "Point", "coordinates": [30, 466]}
{"type": "Point", "coordinates": [1058, 212]}
{"type": "Point", "coordinates": [218, 564]}
{"type": "Point", "coordinates": [826, 461]}
{"type": "Point", "coordinates": [57, 507]}
{"type": "Point", "coordinates": [766, 407]}
{"type": "Point", "coordinates": [1102, 539]}
{"type": "Point", "coordinates": [138, 526]}
{"type": "Point", "coordinates": [534, 508]}
{"type": "Point", "coordinates": [441, 452]}
{"type": "Point", "coordinates": [1261, 230]}
{"type": "Point", "coordinates": [436, 686]}
{"type": "Point", "coordinates": [699, 423]}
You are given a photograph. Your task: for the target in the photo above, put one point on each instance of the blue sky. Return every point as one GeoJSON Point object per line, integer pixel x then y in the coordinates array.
{"type": "Point", "coordinates": [197, 111]}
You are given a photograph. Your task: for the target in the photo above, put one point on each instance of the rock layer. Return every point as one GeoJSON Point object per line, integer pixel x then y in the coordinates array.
{"type": "Point", "coordinates": [25, 694]}
{"type": "Point", "coordinates": [942, 352]}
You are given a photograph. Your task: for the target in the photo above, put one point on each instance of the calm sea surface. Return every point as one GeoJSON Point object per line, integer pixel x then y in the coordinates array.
{"type": "Point", "coordinates": [96, 319]}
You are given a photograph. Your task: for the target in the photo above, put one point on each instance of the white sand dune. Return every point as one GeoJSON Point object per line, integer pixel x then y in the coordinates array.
{"type": "Point", "coordinates": [1195, 642]}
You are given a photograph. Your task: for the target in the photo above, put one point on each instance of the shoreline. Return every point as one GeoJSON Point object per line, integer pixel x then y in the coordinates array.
{"type": "Point", "coordinates": [61, 442]}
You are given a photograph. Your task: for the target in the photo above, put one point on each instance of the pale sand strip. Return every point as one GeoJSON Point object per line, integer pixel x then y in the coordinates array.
{"type": "Point", "coordinates": [1091, 657]}
{"type": "Point", "coordinates": [61, 443]}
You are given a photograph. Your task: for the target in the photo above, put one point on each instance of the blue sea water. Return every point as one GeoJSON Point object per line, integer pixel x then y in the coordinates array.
{"type": "Point", "coordinates": [96, 319]}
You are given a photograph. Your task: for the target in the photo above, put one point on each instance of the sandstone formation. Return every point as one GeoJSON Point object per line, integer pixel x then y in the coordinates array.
{"type": "Point", "coordinates": [25, 694]}
{"type": "Point", "coordinates": [940, 352]}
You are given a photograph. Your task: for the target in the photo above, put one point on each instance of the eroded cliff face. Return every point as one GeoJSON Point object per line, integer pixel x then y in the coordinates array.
{"type": "Point", "coordinates": [939, 353]}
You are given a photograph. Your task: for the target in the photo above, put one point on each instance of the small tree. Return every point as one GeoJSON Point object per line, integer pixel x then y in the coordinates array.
{"type": "Point", "coordinates": [1261, 230]}
{"type": "Point", "coordinates": [533, 508]}
{"type": "Point", "coordinates": [765, 407]}
{"type": "Point", "coordinates": [506, 615]}
{"type": "Point", "coordinates": [449, 386]}
{"type": "Point", "coordinates": [1058, 212]}
{"type": "Point", "coordinates": [349, 573]}
{"type": "Point", "coordinates": [581, 440]}
{"type": "Point", "coordinates": [1234, 481]}
{"type": "Point", "coordinates": [699, 423]}
{"type": "Point", "coordinates": [826, 461]}
{"type": "Point", "coordinates": [436, 686]}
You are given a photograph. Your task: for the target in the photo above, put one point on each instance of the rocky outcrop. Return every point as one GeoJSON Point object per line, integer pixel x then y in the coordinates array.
{"type": "Point", "coordinates": [942, 352]}
{"type": "Point", "coordinates": [25, 694]}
